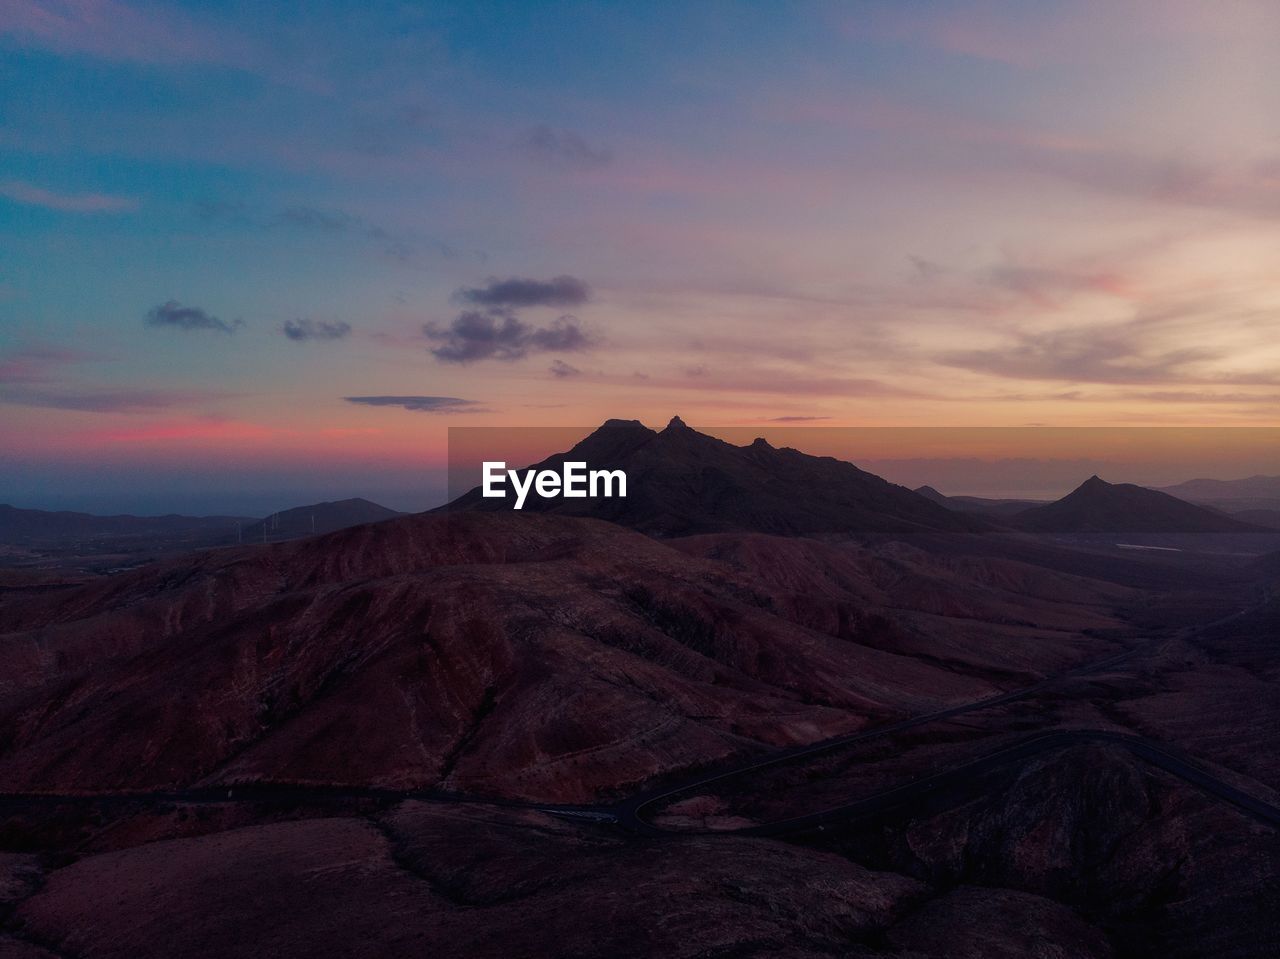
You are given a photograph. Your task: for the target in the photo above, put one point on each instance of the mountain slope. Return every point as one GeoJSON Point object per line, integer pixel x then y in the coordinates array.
{"type": "Point", "coordinates": [1097, 506]}
{"type": "Point", "coordinates": [682, 482]}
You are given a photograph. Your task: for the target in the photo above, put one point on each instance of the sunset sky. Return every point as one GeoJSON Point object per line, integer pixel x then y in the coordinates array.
{"type": "Point", "coordinates": [256, 254]}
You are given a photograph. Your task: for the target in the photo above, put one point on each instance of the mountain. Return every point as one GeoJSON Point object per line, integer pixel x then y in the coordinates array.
{"type": "Point", "coordinates": [991, 508]}
{"type": "Point", "coordinates": [1216, 490]}
{"type": "Point", "coordinates": [1231, 496]}
{"type": "Point", "coordinates": [1097, 506]}
{"type": "Point", "coordinates": [316, 518]}
{"type": "Point", "coordinates": [681, 482]}
{"type": "Point", "coordinates": [36, 526]}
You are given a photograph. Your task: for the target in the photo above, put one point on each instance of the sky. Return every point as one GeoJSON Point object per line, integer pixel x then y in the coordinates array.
{"type": "Point", "coordinates": [259, 254]}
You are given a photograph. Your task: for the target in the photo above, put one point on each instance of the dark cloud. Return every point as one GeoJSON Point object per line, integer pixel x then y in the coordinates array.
{"type": "Point", "coordinates": [300, 331]}
{"type": "Point", "coordinates": [499, 334]}
{"type": "Point", "coordinates": [563, 148]}
{"type": "Point", "coordinates": [420, 404]}
{"type": "Point", "coordinates": [560, 291]}
{"type": "Point", "coordinates": [174, 314]}
{"type": "Point", "coordinates": [562, 370]}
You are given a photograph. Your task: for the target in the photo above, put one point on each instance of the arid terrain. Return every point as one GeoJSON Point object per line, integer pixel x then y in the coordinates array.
{"type": "Point", "coordinates": [494, 734]}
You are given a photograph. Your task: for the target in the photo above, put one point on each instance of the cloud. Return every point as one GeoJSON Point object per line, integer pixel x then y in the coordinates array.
{"type": "Point", "coordinates": [174, 314]}
{"type": "Point", "coordinates": [27, 193]}
{"type": "Point", "coordinates": [1044, 286]}
{"type": "Point", "coordinates": [499, 334]}
{"type": "Point", "coordinates": [35, 364]}
{"type": "Point", "coordinates": [402, 245]}
{"type": "Point", "coordinates": [140, 33]}
{"type": "Point", "coordinates": [925, 270]}
{"type": "Point", "coordinates": [562, 370]}
{"type": "Point", "coordinates": [104, 401]}
{"type": "Point", "coordinates": [1117, 355]}
{"type": "Point", "coordinates": [560, 291]}
{"type": "Point", "coordinates": [797, 419]}
{"type": "Point", "coordinates": [563, 148]}
{"type": "Point", "coordinates": [300, 331]}
{"type": "Point", "coordinates": [309, 218]}
{"type": "Point", "coordinates": [420, 404]}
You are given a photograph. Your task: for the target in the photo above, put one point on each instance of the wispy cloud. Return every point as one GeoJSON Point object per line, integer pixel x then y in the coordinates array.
{"type": "Point", "coordinates": [29, 194]}
{"type": "Point", "coordinates": [402, 245]}
{"type": "Point", "coordinates": [302, 331]}
{"type": "Point", "coordinates": [1122, 354]}
{"type": "Point", "coordinates": [174, 315]}
{"type": "Point", "coordinates": [117, 31]}
{"type": "Point", "coordinates": [562, 370]}
{"type": "Point", "coordinates": [104, 400]}
{"type": "Point", "coordinates": [563, 148]}
{"type": "Point", "coordinates": [420, 404]}
{"type": "Point", "coordinates": [36, 364]}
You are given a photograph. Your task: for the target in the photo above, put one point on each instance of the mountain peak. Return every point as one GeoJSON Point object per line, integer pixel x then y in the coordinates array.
{"type": "Point", "coordinates": [1097, 506]}
{"type": "Point", "coordinates": [677, 424]}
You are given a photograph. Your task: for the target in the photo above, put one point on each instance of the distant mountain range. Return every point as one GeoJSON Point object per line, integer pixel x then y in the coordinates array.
{"type": "Point", "coordinates": [1252, 494]}
{"type": "Point", "coordinates": [1102, 507]}
{"type": "Point", "coordinates": [1003, 508]}
{"type": "Point", "coordinates": [1209, 490]}
{"type": "Point", "coordinates": [45, 526]}
{"type": "Point", "coordinates": [1097, 506]}
{"type": "Point", "coordinates": [316, 518]}
{"type": "Point", "coordinates": [33, 538]}
{"type": "Point", "coordinates": [682, 482]}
